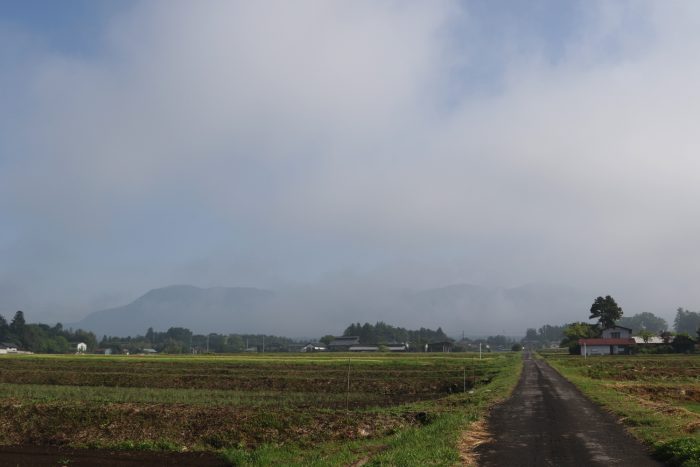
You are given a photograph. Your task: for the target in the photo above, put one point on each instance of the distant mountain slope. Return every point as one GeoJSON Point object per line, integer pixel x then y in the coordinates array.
{"type": "Point", "coordinates": [313, 311]}
{"type": "Point", "coordinates": [214, 309]}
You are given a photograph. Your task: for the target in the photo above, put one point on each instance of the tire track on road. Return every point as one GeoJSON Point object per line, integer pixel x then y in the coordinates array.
{"type": "Point", "coordinates": [548, 422]}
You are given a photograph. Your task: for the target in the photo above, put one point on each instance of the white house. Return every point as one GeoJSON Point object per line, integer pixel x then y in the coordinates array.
{"type": "Point", "coordinates": [613, 340]}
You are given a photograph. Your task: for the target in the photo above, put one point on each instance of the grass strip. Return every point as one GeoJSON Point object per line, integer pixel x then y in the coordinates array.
{"type": "Point", "coordinates": [667, 428]}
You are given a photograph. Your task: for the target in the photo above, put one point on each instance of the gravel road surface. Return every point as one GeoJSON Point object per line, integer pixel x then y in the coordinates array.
{"type": "Point", "coordinates": [548, 422]}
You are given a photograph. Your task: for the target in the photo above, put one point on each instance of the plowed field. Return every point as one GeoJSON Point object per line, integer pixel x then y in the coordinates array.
{"type": "Point", "coordinates": [237, 402]}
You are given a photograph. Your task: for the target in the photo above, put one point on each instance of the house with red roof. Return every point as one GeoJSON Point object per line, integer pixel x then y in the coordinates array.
{"type": "Point", "coordinates": [614, 340]}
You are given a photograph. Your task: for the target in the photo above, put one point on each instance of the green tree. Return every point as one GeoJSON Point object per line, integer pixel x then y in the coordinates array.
{"type": "Point", "coordinates": [17, 324]}
{"type": "Point", "coordinates": [18, 329]}
{"type": "Point", "coordinates": [87, 337]}
{"type": "Point", "coordinates": [683, 343]}
{"type": "Point", "coordinates": [174, 346]}
{"type": "Point", "coordinates": [235, 343]}
{"type": "Point", "coordinates": [327, 339]}
{"type": "Point", "coordinates": [686, 321]}
{"type": "Point", "coordinates": [606, 311]}
{"type": "Point", "coordinates": [4, 328]}
{"type": "Point", "coordinates": [575, 331]}
{"type": "Point", "coordinates": [646, 335]}
{"type": "Point", "coordinates": [644, 321]}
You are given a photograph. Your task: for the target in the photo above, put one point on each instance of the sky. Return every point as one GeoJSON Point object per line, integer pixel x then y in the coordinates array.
{"type": "Point", "coordinates": [408, 143]}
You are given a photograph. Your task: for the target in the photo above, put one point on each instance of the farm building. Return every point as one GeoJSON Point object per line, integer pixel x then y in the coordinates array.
{"type": "Point", "coordinates": [6, 347]}
{"type": "Point", "coordinates": [314, 347]}
{"type": "Point", "coordinates": [442, 346]}
{"type": "Point", "coordinates": [352, 344]}
{"type": "Point", "coordinates": [653, 340]}
{"type": "Point", "coordinates": [343, 343]}
{"type": "Point", "coordinates": [364, 348]}
{"type": "Point", "coordinates": [613, 341]}
{"type": "Point", "coordinates": [395, 347]}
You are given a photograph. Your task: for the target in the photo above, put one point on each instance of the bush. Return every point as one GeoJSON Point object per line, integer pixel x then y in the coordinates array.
{"type": "Point", "coordinates": [684, 452]}
{"type": "Point", "coordinates": [516, 347]}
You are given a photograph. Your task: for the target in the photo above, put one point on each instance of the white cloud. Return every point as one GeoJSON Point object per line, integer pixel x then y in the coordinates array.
{"type": "Point", "coordinates": [341, 121]}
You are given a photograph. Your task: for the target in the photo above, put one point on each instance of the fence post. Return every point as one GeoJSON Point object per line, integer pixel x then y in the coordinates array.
{"type": "Point", "coordinates": [347, 394]}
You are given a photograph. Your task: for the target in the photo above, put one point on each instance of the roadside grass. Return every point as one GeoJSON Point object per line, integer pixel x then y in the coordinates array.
{"type": "Point", "coordinates": [649, 407]}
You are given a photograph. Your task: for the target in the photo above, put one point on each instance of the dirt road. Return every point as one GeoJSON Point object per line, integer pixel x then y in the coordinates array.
{"type": "Point", "coordinates": [548, 422]}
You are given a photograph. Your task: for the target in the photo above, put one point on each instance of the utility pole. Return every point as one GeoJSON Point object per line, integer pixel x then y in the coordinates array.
{"type": "Point", "coordinates": [479, 350]}
{"type": "Point", "coordinates": [263, 343]}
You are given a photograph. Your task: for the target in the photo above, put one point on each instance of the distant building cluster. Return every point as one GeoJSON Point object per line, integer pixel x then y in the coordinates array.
{"type": "Point", "coordinates": [352, 344]}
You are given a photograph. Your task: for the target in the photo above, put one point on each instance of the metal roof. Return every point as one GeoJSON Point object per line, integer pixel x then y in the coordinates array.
{"type": "Point", "coordinates": [606, 341]}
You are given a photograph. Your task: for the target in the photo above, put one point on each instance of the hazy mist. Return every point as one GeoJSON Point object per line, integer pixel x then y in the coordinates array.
{"type": "Point", "coordinates": [352, 147]}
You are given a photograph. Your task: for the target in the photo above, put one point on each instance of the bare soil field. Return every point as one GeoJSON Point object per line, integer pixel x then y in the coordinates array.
{"type": "Point", "coordinates": [240, 407]}
{"type": "Point", "coordinates": [13, 456]}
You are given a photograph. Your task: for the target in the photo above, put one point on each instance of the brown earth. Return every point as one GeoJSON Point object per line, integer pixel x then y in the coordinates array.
{"type": "Point", "coordinates": [548, 422]}
{"type": "Point", "coordinates": [12, 456]}
{"type": "Point", "coordinates": [59, 423]}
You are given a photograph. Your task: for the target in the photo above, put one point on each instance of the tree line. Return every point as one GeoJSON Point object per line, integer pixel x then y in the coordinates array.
{"type": "Point", "coordinates": [179, 340]}
{"type": "Point", "coordinates": [382, 333]}
{"type": "Point", "coordinates": [42, 338]}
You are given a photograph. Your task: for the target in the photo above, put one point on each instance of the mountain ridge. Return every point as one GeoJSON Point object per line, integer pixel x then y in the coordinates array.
{"type": "Point", "coordinates": [305, 311]}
